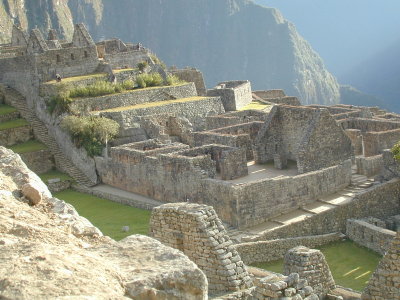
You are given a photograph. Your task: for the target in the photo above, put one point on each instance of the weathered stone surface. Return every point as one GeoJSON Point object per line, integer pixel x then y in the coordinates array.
{"type": "Point", "coordinates": [48, 251]}
{"type": "Point", "coordinates": [385, 282]}
{"type": "Point", "coordinates": [312, 266]}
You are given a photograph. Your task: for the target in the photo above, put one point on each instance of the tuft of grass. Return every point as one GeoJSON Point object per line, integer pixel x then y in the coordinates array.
{"type": "Point", "coordinates": [54, 174]}
{"type": "Point", "coordinates": [6, 109]}
{"type": "Point", "coordinates": [351, 265]}
{"type": "Point", "coordinates": [108, 216]}
{"type": "Point", "coordinates": [29, 146]}
{"type": "Point", "coordinates": [13, 124]}
{"type": "Point", "coordinates": [78, 78]}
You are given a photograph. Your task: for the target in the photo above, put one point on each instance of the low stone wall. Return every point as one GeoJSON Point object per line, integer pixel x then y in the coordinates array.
{"type": "Point", "coordinates": [9, 117]}
{"type": "Point", "coordinates": [12, 136]}
{"type": "Point", "coordinates": [391, 167]}
{"type": "Point", "coordinates": [375, 142]}
{"type": "Point", "coordinates": [356, 140]}
{"type": "Point", "coordinates": [260, 200]}
{"type": "Point", "coordinates": [294, 101]}
{"type": "Point", "coordinates": [135, 97]}
{"type": "Point", "coordinates": [368, 235]}
{"type": "Point", "coordinates": [59, 186]}
{"type": "Point", "coordinates": [39, 162]}
{"type": "Point", "coordinates": [369, 166]}
{"type": "Point", "coordinates": [379, 201]}
{"type": "Point", "coordinates": [195, 111]}
{"type": "Point", "coordinates": [265, 251]}
{"type": "Point", "coordinates": [191, 75]}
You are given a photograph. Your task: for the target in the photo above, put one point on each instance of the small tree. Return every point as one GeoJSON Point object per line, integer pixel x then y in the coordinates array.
{"type": "Point", "coordinates": [396, 151]}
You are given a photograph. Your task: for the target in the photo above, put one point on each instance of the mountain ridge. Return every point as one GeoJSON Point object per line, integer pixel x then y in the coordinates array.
{"type": "Point", "coordinates": [225, 39]}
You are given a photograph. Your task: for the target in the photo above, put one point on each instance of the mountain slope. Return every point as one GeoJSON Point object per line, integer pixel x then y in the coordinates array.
{"type": "Point", "coordinates": [226, 39]}
{"type": "Point", "coordinates": [380, 76]}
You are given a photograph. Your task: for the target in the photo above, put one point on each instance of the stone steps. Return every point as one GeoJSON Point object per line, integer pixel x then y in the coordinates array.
{"type": "Point", "coordinates": [358, 184]}
{"type": "Point", "coordinates": [41, 133]}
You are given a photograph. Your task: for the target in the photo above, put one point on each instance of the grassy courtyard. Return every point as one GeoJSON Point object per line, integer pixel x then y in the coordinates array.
{"type": "Point", "coordinates": [29, 146]}
{"type": "Point", "coordinates": [108, 216]}
{"type": "Point", "coordinates": [350, 264]}
{"type": "Point", "coordinates": [13, 124]}
{"type": "Point", "coordinates": [6, 109]}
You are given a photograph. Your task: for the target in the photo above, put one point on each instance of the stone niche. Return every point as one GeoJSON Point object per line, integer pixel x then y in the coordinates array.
{"type": "Point", "coordinates": [197, 231]}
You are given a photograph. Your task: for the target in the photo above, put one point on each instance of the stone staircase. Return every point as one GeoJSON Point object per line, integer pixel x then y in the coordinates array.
{"type": "Point", "coordinates": [358, 184]}
{"type": "Point", "coordinates": [41, 133]}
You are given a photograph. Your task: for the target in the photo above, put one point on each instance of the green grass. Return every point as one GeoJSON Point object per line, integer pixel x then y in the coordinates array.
{"type": "Point", "coordinates": [29, 146]}
{"type": "Point", "coordinates": [54, 174]}
{"type": "Point", "coordinates": [6, 109]}
{"type": "Point", "coordinates": [78, 78]}
{"type": "Point", "coordinates": [350, 264]}
{"type": "Point", "coordinates": [13, 124]}
{"type": "Point", "coordinates": [255, 105]}
{"type": "Point", "coordinates": [108, 216]}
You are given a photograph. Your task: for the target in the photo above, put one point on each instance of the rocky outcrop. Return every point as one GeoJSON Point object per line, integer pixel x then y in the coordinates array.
{"type": "Point", "coordinates": [48, 251]}
{"type": "Point", "coordinates": [225, 39]}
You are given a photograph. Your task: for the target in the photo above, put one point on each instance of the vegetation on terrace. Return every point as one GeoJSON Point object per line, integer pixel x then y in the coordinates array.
{"type": "Point", "coordinates": [54, 174]}
{"type": "Point", "coordinates": [60, 103]}
{"type": "Point", "coordinates": [13, 124]}
{"type": "Point", "coordinates": [92, 133]}
{"type": "Point", "coordinates": [255, 105]}
{"type": "Point", "coordinates": [29, 146]}
{"type": "Point", "coordinates": [396, 151]}
{"type": "Point", "coordinates": [108, 216]}
{"type": "Point", "coordinates": [351, 265]}
{"type": "Point", "coordinates": [6, 109]}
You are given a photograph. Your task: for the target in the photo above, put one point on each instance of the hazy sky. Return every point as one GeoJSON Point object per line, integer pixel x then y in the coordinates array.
{"type": "Point", "coordinates": [343, 32]}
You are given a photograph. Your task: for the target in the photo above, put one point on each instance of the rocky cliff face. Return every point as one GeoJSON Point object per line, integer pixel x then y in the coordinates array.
{"type": "Point", "coordinates": [48, 251]}
{"type": "Point", "coordinates": [226, 39]}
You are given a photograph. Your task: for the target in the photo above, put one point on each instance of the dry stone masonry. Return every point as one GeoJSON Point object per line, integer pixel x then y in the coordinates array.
{"type": "Point", "coordinates": [311, 265]}
{"type": "Point", "coordinates": [197, 231]}
{"type": "Point", "coordinates": [385, 282]}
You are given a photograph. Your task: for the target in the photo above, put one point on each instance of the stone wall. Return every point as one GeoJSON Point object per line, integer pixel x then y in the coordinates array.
{"type": "Point", "coordinates": [16, 135]}
{"type": "Point", "coordinates": [391, 167]}
{"type": "Point", "coordinates": [197, 231]}
{"type": "Point", "coordinates": [368, 235]}
{"type": "Point", "coordinates": [270, 94]}
{"type": "Point", "coordinates": [311, 265]}
{"type": "Point", "coordinates": [235, 118]}
{"type": "Point", "coordinates": [299, 134]}
{"type": "Point", "coordinates": [260, 200]}
{"type": "Point", "coordinates": [134, 97]}
{"type": "Point", "coordinates": [369, 125]}
{"type": "Point", "coordinates": [379, 201]}
{"type": "Point", "coordinates": [191, 75]}
{"type": "Point", "coordinates": [369, 166]}
{"type": "Point", "coordinates": [128, 59]}
{"type": "Point", "coordinates": [356, 140]}
{"type": "Point", "coordinates": [9, 116]}
{"type": "Point", "coordinates": [265, 251]}
{"type": "Point", "coordinates": [375, 142]}
{"type": "Point", "coordinates": [385, 281]}
{"type": "Point", "coordinates": [39, 162]}
{"type": "Point", "coordinates": [293, 101]}
{"type": "Point", "coordinates": [195, 111]}
{"type": "Point", "coordinates": [234, 94]}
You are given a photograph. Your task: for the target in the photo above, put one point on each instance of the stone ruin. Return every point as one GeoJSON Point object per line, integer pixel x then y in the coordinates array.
{"type": "Point", "coordinates": [385, 281]}
{"type": "Point", "coordinates": [197, 231]}
{"type": "Point", "coordinates": [311, 265]}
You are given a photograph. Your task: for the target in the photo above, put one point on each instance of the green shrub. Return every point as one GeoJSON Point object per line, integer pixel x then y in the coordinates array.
{"type": "Point", "coordinates": [92, 133]}
{"type": "Point", "coordinates": [174, 80]}
{"type": "Point", "coordinates": [396, 151]}
{"type": "Point", "coordinates": [142, 65]}
{"type": "Point", "coordinates": [60, 103]}
{"type": "Point", "coordinates": [148, 80]}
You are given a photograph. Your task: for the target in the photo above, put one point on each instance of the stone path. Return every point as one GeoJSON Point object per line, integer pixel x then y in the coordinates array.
{"type": "Point", "coordinates": [41, 133]}
{"type": "Point", "coordinates": [120, 196]}
{"type": "Point", "coordinates": [358, 183]}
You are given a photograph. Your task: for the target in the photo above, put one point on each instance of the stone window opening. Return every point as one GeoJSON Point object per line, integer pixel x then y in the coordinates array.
{"type": "Point", "coordinates": [72, 56]}
{"type": "Point", "coordinates": [58, 58]}
{"type": "Point", "coordinates": [85, 53]}
{"type": "Point", "coordinates": [276, 148]}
